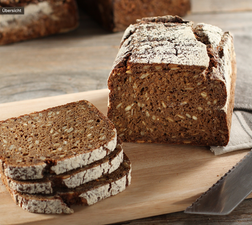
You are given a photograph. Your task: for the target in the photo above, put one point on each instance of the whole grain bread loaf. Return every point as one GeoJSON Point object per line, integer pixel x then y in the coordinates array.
{"type": "Point", "coordinates": [173, 82]}
{"type": "Point", "coordinates": [119, 14]}
{"type": "Point", "coordinates": [41, 18]}
{"type": "Point", "coordinates": [87, 194]}
{"type": "Point", "coordinates": [51, 183]}
{"type": "Point", "coordinates": [55, 140]}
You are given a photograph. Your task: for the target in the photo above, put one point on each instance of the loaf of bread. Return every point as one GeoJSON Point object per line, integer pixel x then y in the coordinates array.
{"type": "Point", "coordinates": [41, 18]}
{"type": "Point", "coordinates": [55, 140]}
{"type": "Point", "coordinates": [173, 82]}
{"type": "Point", "coordinates": [87, 194]}
{"type": "Point", "coordinates": [119, 14]}
{"type": "Point", "coordinates": [51, 183]}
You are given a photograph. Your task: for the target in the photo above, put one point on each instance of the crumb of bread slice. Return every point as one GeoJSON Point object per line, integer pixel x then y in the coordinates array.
{"type": "Point", "coordinates": [55, 140]}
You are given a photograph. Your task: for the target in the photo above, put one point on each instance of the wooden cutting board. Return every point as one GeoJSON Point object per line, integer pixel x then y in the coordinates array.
{"type": "Point", "coordinates": [165, 178]}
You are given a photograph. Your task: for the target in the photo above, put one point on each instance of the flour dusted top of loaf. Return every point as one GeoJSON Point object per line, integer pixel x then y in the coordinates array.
{"type": "Point", "coordinates": [222, 46]}
{"type": "Point", "coordinates": [167, 39]}
{"type": "Point", "coordinates": [209, 34]}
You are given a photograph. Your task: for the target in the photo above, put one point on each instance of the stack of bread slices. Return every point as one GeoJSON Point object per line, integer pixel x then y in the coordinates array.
{"type": "Point", "coordinates": [62, 156]}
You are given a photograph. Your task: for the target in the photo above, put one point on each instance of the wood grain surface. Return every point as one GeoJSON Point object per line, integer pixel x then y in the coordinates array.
{"type": "Point", "coordinates": [220, 6]}
{"type": "Point", "coordinates": [81, 60]}
{"type": "Point", "coordinates": [165, 178]}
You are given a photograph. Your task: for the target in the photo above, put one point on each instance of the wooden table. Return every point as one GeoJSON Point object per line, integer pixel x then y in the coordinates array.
{"type": "Point", "coordinates": [81, 60]}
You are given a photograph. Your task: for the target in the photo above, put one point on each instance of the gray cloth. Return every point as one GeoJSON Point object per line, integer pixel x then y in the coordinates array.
{"type": "Point", "coordinates": [241, 134]}
{"type": "Point", "coordinates": [243, 92]}
{"type": "Point", "coordinates": [241, 130]}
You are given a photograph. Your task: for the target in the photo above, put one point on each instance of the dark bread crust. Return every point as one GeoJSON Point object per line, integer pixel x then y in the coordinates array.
{"type": "Point", "coordinates": [86, 194]}
{"type": "Point", "coordinates": [50, 184]}
{"type": "Point", "coordinates": [230, 106]}
{"type": "Point", "coordinates": [63, 17]}
{"type": "Point", "coordinates": [173, 83]}
{"type": "Point", "coordinates": [72, 197]}
{"type": "Point", "coordinates": [119, 14]}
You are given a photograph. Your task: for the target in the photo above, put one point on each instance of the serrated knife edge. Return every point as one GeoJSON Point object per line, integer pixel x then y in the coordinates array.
{"type": "Point", "coordinates": [228, 192]}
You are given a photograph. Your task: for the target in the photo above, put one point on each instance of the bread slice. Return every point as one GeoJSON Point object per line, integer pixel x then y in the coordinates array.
{"type": "Point", "coordinates": [55, 140]}
{"type": "Point", "coordinates": [87, 194]}
{"type": "Point", "coordinates": [41, 18]}
{"type": "Point", "coordinates": [173, 82]}
{"type": "Point", "coordinates": [51, 183]}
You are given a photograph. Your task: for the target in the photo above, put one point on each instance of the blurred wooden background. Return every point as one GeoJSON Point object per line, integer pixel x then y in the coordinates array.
{"type": "Point", "coordinates": [81, 60]}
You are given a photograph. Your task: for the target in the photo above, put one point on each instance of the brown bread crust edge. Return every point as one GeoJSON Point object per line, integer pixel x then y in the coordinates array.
{"type": "Point", "coordinates": [87, 194]}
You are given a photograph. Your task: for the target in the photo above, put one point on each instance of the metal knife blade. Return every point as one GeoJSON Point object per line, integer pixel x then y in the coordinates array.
{"type": "Point", "coordinates": [225, 195]}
